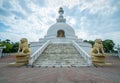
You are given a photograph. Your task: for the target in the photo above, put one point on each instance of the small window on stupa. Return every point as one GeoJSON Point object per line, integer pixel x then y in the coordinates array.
{"type": "Point", "coordinates": [60, 33]}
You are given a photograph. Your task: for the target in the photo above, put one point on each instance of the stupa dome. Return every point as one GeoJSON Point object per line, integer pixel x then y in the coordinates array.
{"type": "Point", "coordinates": [67, 30]}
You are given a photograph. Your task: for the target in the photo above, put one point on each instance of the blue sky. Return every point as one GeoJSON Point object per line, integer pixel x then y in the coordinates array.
{"type": "Point", "coordinates": [90, 19]}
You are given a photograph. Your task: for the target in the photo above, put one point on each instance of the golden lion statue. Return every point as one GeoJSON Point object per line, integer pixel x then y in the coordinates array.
{"type": "Point", "coordinates": [22, 57]}
{"type": "Point", "coordinates": [98, 47]}
{"type": "Point", "coordinates": [23, 46]}
{"type": "Point", "coordinates": [98, 55]}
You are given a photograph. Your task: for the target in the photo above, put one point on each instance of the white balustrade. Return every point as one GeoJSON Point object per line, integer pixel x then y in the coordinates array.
{"type": "Point", "coordinates": [36, 54]}
{"type": "Point", "coordinates": [84, 54]}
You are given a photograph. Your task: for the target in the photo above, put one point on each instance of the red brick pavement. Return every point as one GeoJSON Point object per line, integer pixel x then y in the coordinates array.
{"type": "Point", "coordinates": [109, 74]}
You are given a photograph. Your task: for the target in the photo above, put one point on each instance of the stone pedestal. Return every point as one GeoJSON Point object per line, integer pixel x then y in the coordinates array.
{"type": "Point", "coordinates": [99, 60]}
{"type": "Point", "coordinates": [21, 59]}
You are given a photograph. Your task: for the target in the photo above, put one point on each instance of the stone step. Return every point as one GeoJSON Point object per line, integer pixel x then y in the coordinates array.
{"type": "Point", "coordinates": [55, 46]}
{"type": "Point", "coordinates": [60, 55]}
{"type": "Point", "coordinates": [58, 66]}
{"type": "Point", "coordinates": [61, 48]}
{"type": "Point", "coordinates": [58, 51]}
{"type": "Point", "coordinates": [61, 45]}
{"type": "Point", "coordinates": [61, 62]}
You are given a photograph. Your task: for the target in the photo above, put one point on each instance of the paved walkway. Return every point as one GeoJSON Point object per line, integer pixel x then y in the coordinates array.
{"type": "Point", "coordinates": [109, 74]}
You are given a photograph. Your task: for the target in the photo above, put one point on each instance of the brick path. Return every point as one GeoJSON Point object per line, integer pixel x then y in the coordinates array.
{"type": "Point", "coordinates": [109, 74]}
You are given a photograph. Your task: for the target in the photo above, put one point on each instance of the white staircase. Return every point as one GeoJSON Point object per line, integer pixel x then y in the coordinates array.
{"type": "Point", "coordinates": [60, 55]}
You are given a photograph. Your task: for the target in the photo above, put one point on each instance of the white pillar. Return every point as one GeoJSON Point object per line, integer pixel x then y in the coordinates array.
{"type": "Point", "coordinates": [119, 52]}
{"type": "Point", "coordinates": [118, 49]}
{"type": "Point", "coordinates": [1, 49]}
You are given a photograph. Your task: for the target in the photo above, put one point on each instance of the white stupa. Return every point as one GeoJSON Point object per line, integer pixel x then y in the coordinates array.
{"type": "Point", "coordinates": [60, 32]}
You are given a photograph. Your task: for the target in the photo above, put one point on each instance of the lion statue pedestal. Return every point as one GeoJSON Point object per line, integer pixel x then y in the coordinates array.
{"type": "Point", "coordinates": [22, 57]}
{"type": "Point", "coordinates": [98, 55]}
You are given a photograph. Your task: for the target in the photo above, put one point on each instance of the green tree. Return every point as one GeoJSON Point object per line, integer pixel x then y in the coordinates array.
{"type": "Point", "coordinates": [108, 45]}
{"type": "Point", "coordinates": [7, 40]}
{"type": "Point", "coordinates": [15, 47]}
{"type": "Point", "coordinates": [8, 47]}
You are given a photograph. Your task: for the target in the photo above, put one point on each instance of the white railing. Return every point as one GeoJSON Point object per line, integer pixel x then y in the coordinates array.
{"type": "Point", "coordinates": [6, 54]}
{"type": "Point", "coordinates": [35, 55]}
{"type": "Point", "coordinates": [83, 53]}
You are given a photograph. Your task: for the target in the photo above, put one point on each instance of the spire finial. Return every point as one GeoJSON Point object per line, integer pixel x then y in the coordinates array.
{"type": "Point", "coordinates": [61, 18]}
{"type": "Point", "coordinates": [61, 11]}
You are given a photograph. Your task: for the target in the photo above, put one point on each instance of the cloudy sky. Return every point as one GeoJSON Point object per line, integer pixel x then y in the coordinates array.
{"type": "Point", "coordinates": [90, 19]}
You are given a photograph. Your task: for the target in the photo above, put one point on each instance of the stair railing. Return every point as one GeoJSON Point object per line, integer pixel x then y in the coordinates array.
{"type": "Point", "coordinates": [84, 54]}
{"type": "Point", "coordinates": [36, 54]}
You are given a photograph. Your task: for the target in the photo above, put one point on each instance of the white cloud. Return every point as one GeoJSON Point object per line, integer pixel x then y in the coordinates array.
{"type": "Point", "coordinates": [58, 3]}
{"type": "Point", "coordinates": [82, 34]}
{"type": "Point", "coordinates": [83, 22]}
{"type": "Point", "coordinates": [103, 7]}
{"type": "Point", "coordinates": [113, 36]}
{"type": "Point", "coordinates": [70, 20]}
{"type": "Point", "coordinates": [36, 23]}
{"type": "Point", "coordinates": [73, 21]}
{"type": "Point", "coordinates": [33, 27]}
{"type": "Point", "coordinates": [7, 35]}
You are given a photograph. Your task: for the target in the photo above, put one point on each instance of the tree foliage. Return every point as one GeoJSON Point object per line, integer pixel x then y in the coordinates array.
{"type": "Point", "coordinates": [108, 45]}
{"type": "Point", "coordinates": [10, 46]}
{"type": "Point", "coordinates": [15, 47]}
